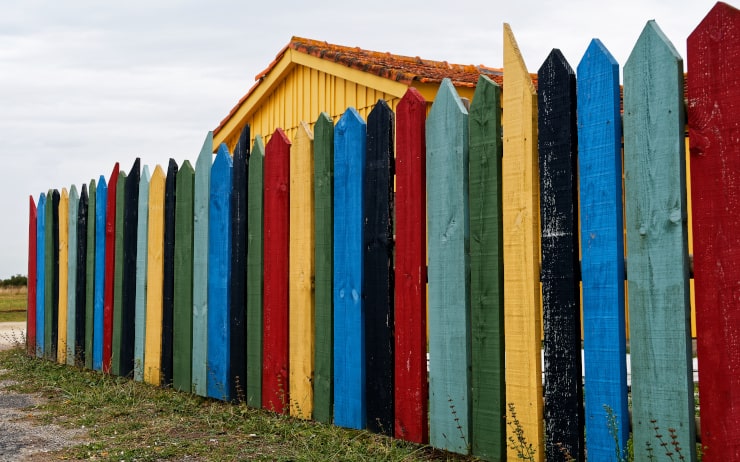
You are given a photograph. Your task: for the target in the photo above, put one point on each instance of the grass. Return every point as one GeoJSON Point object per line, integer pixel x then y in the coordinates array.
{"type": "Point", "coordinates": [129, 420]}
{"type": "Point", "coordinates": [13, 304]}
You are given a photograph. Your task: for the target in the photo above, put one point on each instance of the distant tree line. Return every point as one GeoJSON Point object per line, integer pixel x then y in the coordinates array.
{"type": "Point", "coordinates": [14, 281]}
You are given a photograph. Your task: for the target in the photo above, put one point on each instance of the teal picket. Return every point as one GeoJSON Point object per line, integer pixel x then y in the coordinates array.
{"type": "Point", "coordinates": [74, 199]}
{"type": "Point", "coordinates": [142, 239]}
{"type": "Point", "coordinates": [201, 194]}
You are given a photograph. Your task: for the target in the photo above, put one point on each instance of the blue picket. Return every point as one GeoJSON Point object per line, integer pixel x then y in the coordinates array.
{"type": "Point", "coordinates": [40, 273]}
{"type": "Point", "coordinates": [100, 209]}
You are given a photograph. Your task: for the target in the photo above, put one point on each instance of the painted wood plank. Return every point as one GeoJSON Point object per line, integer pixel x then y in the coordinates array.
{"type": "Point", "coordinates": [51, 311]}
{"type": "Point", "coordinates": [275, 386]}
{"type": "Point", "coordinates": [110, 267]}
{"type": "Point", "coordinates": [118, 276]}
{"type": "Point", "coordinates": [714, 104]}
{"type": "Point", "coordinates": [182, 341]}
{"type": "Point", "coordinates": [32, 277]}
{"type": "Point", "coordinates": [90, 275]}
{"type": "Point", "coordinates": [154, 279]}
{"type": "Point", "coordinates": [323, 384]}
{"type": "Point", "coordinates": [410, 374]}
{"type": "Point", "coordinates": [560, 274]}
{"type": "Point", "coordinates": [142, 260]}
{"type": "Point", "coordinates": [40, 274]}
{"type": "Point", "coordinates": [200, 265]}
{"type": "Point", "coordinates": [219, 273]}
{"type": "Point", "coordinates": [521, 227]}
{"type": "Point", "coordinates": [255, 224]}
{"type": "Point", "coordinates": [301, 274]}
{"type": "Point", "coordinates": [168, 284]}
{"type": "Point", "coordinates": [238, 290]}
{"type": "Point", "coordinates": [130, 257]}
{"type": "Point", "coordinates": [350, 146]}
{"type": "Point", "coordinates": [488, 419]}
{"type": "Point", "coordinates": [63, 270]}
{"type": "Point", "coordinates": [82, 280]}
{"type": "Point", "coordinates": [657, 242]}
{"type": "Point", "coordinates": [377, 236]}
{"type": "Point", "coordinates": [602, 250]}
{"type": "Point", "coordinates": [449, 278]}
{"type": "Point", "coordinates": [73, 202]}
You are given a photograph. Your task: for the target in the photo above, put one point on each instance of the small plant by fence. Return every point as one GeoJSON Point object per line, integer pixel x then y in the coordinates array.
{"type": "Point", "coordinates": [293, 276]}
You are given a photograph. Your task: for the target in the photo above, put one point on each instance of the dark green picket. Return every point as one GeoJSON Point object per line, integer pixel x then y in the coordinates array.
{"type": "Point", "coordinates": [118, 277]}
{"type": "Point", "coordinates": [255, 223]}
{"type": "Point", "coordinates": [182, 342]}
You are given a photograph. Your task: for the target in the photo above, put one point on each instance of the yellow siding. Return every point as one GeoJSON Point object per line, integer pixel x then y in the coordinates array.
{"type": "Point", "coordinates": [301, 294]}
{"type": "Point", "coordinates": [63, 275]}
{"type": "Point", "coordinates": [155, 277]}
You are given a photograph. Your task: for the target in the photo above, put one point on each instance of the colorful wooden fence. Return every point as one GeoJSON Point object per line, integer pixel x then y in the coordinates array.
{"type": "Point", "coordinates": [294, 276]}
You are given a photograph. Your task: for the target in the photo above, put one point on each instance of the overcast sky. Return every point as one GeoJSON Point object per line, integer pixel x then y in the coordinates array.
{"type": "Point", "coordinates": [86, 83]}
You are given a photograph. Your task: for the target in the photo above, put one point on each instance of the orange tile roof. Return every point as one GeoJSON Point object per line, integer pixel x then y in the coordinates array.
{"type": "Point", "coordinates": [404, 69]}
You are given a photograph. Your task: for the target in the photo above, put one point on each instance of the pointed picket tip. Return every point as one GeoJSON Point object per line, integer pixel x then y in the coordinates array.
{"type": "Point", "coordinates": [205, 157]}
{"type": "Point", "coordinates": [73, 195]}
{"type": "Point", "coordinates": [83, 191]}
{"type": "Point", "coordinates": [93, 186]}
{"type": "Point", "coordinates": [279, 136]}
{"type": "Point", "coordinates": [135, 168]}
{"type": "Point", "coordinates": [242, 145]}
{"type": "Point", "coordinates": [412, 97]}
{"type": "Point", "coordinates": [557, 62]}
{"type": "Point", "coordinates": [158, 173]}
{"type": "Point", "coordinates": [349, 118]}
{"type": "Point", "coordinates": [42, 201]}
{"type": "Point", "coordinates": [380, 110]}
{"type": "Point", "coordinates": [513, 60]}
{"type": "Point", "coordinates": [447, 100]}
{"type": "Point", "coordinates": [597, 53]}
{"type": "Point", "coordinates": [64, 194]}
{"type": "Point", "coordinates": [720, 15]}
{"type": "Point", "coordinates": [102, 183]}
{"type": "Point", "coordinates": [145, 175]}
{"type": "Point", "coordinates": [222, 158]}
{"type": "Point", "coordinates": [114, 173]}
{"type": "Point", "coordinates": [207, 147]}
{"type": "Point", "coordinates": [487, 93]}
{"type": "Point", "coordinates": [121, 178]}
{"type": "Point", "coordinates": [171, 167]}
{"type": "Point", "coordinates": [259, 146]}
{"type": "Point", "coordinates": [31, 202]}
{"type": "Point", "coordinates": [186, 169]}
{"type": "Point", "coordinates": [651, 46]}
{"type": "Point", "coordinates": [304, 131]}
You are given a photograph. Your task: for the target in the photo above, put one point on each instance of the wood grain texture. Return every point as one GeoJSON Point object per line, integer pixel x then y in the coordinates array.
{"type": "Point", "coordinates": [142, 260]}
{"type": "Point", "coordinates": [255, 279]}
{"type": "Point", "coordinates": [560, 274]}
{"type": "Point", "coordinates": [73, 202]}
{"type": "Point", "coordinates": [110, 267]}
{"type": "Point", "coordinates": [63, 269]}
{"type": "Point", "coordinates": [350, 143]}
{"type": "Point", "coordinates": [238, 290]}
{"type": "Point", "coordinates": [40, 275]}
{"type": "Point", "coordinates": [323, 384]}
{"type": "Point", "coordinates": [714, 121]}
{"type": "Point", "coordinates": [118, 276]}
{"type": "Point", "coordinates": [301, 274]}
{"type": "Point", "coordinates": [521, 228]}
{"type": "Point", "coordinates": [200, 265]}
{"type": "Point", "coordinates": [182, 340]}
{"type": "Point", "coordinates": [657, 241]}
{"type": "Point", "coordinates": [32, 265]}
{"type": "Point", "coordinates": [488, 425]}
{"type": "Point", "coordinates": [130, 259]}
{"type": "Point", "coordinates": [90, 275]}
{"type": "Point", "coordinates": [82, 282]}
{"type": "Point", "coordinates": [410, 375]}
{"type": "Point", "coordinates": [154, 279]}
{"type": "Point", "coordinates": [449, 276]}
{"type": "Point", "coordinates": [602, 250]}
{"type": "Point", "coordinates": [377, 284]}
{"type": "Point", "coordinates": [168, 283]}
{"type": "Point", "coordinates": [219, 273]}
{"type": "Point", "coordinates": [51, 260]}
{"type": "Point", "coordinates": [275, 341]}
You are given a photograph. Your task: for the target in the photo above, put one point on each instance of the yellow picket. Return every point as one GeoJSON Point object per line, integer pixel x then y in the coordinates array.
{"type": "Point", "coordinates": [155, 277]}
{"type": "Point", "coordinates": [63, 275]}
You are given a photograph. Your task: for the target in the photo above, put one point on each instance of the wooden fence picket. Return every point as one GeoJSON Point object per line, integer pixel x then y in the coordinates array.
{"type": "Point", "coordinates": [90, 275]}
{"type": "Point", "coordinates": [255, 227]}
{"type": "Point", "coordinates": [377, 235]}
{"type": "Point", "coordinates": [168, 283]}
{"type": "Point", "coordinates": [51, 260]}
{"type": "Point", "coordinates": [182, 339]}
{"type": "Point", "coordinates": [714, 118]}
{"type": "Point", "coordinates": [324, 260]}
{"type": "Point", "coordinates": [410, 373]}
{"type": "Point", "coordinates": [449, 277]}
{"type": "Point", "coordinates": [602, 249]}
{"type": "Point", "coordinates": [130, 256]}
{"type": "Point", "coordinates": [73, 203]}
{"type": "Point", "coordinates": [63, 270]}
{"type": "Point", "coordinates": [275, 341]}
{"type": "Point", "coordinates": [31, 294]}
{"type": "Point", "coordinates": [142, 260]}
{"type": "Point", "coordinates": [110, 266]}
{"type": "Point", "coordinates": [488, 401]}
{"type": "Point", "coordinates": [560, 274]}
{"type": "Point", "coordinates": [82, 271]}
{"type": "Point", "coordinates": [40, 274]}
{"type": "Point", "coordinates": [657, 241]}
{"type": "Point", "coordinates": [219, 274]}
{"type": "Point", "coordinates": [350, 142]}
{"type": "Point", "coordinates": [238, 289]}
{"type": "Point", "coordinates": [201, 197]}
{"type": "Point", "coordinates": [155, 279]}
{"type": "Point", "coordinates": [521, 229]}
{"type": "Point", "coordinates": [118, 276]}
{"type": "Point", "coordinates": [301, 274]}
